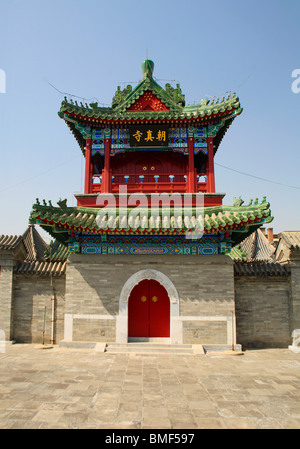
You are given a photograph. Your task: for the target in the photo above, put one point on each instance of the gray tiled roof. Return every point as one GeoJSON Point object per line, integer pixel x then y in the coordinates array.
{"type": "Point", "coordinates": [9, 242]}
{"type": "Point", "coordinates": [41, 268]}
{"type": "Point", "coordinates": [34, 244]}
{"type": "Point", "coordinates": [258, 247]}
{"type": "Point", "coordinates": [260, 268]}
{"type": "Point", "coordinates": [35, 261]}
{"type": "Point", "coordinates": [292, 239]}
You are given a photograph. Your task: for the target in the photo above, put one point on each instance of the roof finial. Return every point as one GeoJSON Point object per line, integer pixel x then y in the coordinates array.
{"type": "Point", "coordinates": [147, 68]}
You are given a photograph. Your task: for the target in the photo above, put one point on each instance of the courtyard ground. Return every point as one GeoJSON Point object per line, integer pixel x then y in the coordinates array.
{"type": "Point", "coordinates": [83, 388]}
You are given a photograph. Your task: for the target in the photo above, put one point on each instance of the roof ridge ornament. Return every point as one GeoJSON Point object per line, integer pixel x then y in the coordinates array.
{"type": "Point", "coordinates": [237, 202]}
{"type": "Point", "coordinates": [175, 93]}
{"type": "Point", "coordinates": [121, 95]}
{"type": "Point", "coordinates": [147, 68]}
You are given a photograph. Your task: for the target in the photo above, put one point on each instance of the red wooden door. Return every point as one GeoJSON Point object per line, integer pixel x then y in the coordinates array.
{"type": "Point", "coordinates": [149, 310]}
{"type": "Point", "coordinates": [159, 310]}
{"type": "Point", "coordinates": [138, 310]}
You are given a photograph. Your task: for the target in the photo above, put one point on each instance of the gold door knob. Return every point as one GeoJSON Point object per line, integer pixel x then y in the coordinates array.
{"type": "Point", "coordinates": [154, 298]}
{"type": "Point", "coordinates": [143, 299]}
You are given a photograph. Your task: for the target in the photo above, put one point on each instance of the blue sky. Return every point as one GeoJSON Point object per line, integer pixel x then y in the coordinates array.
{"type": "Point", "coordinates": [88, 47]}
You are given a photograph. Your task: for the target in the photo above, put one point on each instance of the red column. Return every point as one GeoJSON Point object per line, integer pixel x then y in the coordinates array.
{"type": "Point", "coordinates": [88, 171]}
{"type": "Point", "coordinates": [106, 172]}
{"type": "Point", "coordinates": [210, 167]}
{"type": "Point", "coordinates": [191, 167]}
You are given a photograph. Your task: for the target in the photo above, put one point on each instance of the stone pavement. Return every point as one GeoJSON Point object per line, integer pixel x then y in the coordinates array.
{"type": "Point", "coordinates": [74, 388]}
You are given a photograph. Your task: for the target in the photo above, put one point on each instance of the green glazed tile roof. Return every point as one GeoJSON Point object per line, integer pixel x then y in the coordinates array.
{"type": "Point", "coordinates": [238, 219]}
{"type": "Point", "coordinates": [206, 109]}
{"type": "Point", "coordinates": [81, 117]}
{"type": "Point", "coordinates": [237, 253]}
{"type": "Point", "coordinates": [170, 96]}
{"type": "Point", "coordinates": [56, 252]}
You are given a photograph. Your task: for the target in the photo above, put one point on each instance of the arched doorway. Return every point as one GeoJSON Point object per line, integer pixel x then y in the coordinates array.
{"type": "Point", "coordinates": [149, 310]}
{"type": "Point", "coordinates": [130, 284]}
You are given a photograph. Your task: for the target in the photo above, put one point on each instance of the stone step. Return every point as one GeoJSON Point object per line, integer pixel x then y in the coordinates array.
{"type": "Point", "coordinates": [149, 348]}
{"type": "Point", "coordinates": [150, 344]}
{"type": "Point", "coordinates": [134, 347]}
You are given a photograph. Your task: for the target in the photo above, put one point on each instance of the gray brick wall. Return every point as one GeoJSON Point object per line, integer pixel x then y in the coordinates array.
{"type": "Point", "coordinates": [267, 308]}
{"type": "Point", "coordinates": [32, 294]}
{"type": "Point", "coordinates": [94, 330]}
{"type": "Point", "coordinates": [263, 311]}
{"type": "Point", "coordinates": [295, 290]}
{"type": "Point", "coordinates": [205, 286]}
{"type": "Point", "coordinates": [6, 307]}
{"type": "Point", "coordinates": [92, 289]}
{"type": "Point", "coordinates": [204, 332]}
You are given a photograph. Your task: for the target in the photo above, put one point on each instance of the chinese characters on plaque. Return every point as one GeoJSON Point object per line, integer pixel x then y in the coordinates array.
{"type": "Point", "coordinates": [148, 135]}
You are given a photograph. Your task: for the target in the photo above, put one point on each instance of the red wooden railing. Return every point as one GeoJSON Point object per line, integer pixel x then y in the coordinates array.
{"type": "Point", "coordinates": [148, 183]}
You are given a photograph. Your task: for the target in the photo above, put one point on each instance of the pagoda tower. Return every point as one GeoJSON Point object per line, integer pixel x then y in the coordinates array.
{"type": "Point", "coordinates": [149, 204]}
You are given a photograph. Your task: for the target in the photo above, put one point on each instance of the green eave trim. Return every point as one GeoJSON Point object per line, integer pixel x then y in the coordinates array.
{"type": "Point", "coordinates": [239, 220]}
{"type": "Point", "coordinates": [228, 107]}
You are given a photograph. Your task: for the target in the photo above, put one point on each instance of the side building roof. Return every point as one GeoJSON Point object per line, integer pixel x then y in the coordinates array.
{"type": "Point", "coordinates": [258, 247]}
{"type": "Point", "coordinates": [10, 242]}
{"type": "Point", "coordinates": [37, 257]}
{"type": "Point", "coordinates": [288, 243]}
{"type": "Point", "coordinates": [34, 244]}
{"type": "Point", "coordinates": [260, 268]}
{"type": "Point", "coordinates": [257, 256]}
{"type": "Point", "coordinates": [291, 238]}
